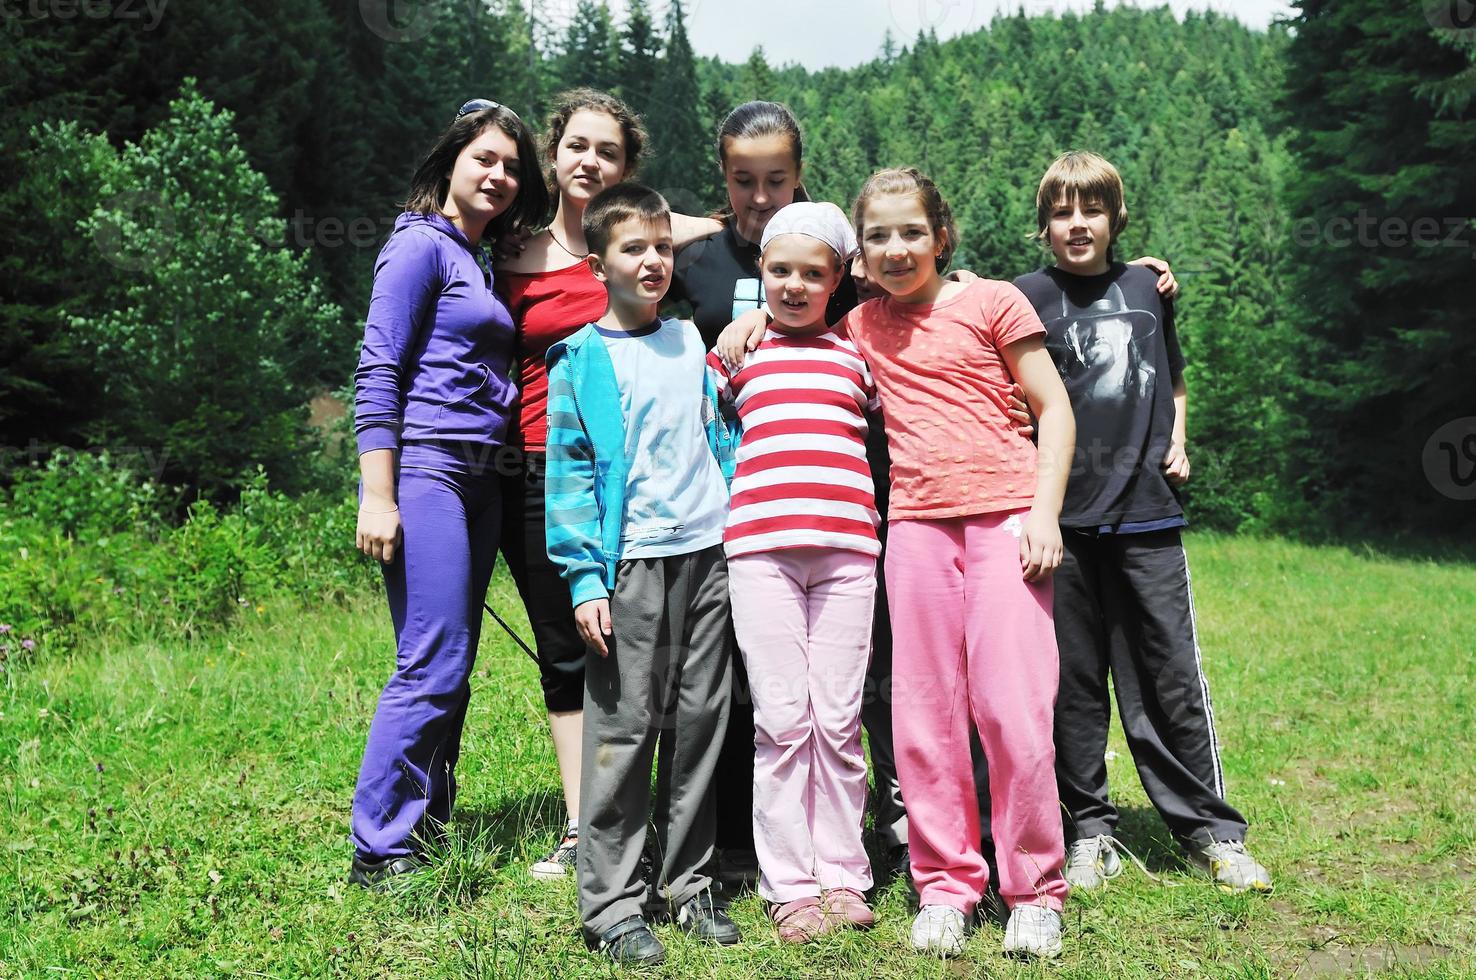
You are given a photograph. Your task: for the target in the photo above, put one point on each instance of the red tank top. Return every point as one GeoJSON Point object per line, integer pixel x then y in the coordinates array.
{"type": "Point", "coordinates": [548, 307]}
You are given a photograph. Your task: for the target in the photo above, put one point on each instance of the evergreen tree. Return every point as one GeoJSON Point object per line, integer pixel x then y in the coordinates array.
{"type": "Point", "coordinates": [640, 58]}
{"type": "Point", "coordinates": [213, 339]}
{"type": "Point", "coordinates": [590, 54]}
{"type": "Point", "coordinates": [758, 79]}
{"type": "Point", "coordinates": [680, 167]}
{"type": "Point", "coordinates": [1383, 246]}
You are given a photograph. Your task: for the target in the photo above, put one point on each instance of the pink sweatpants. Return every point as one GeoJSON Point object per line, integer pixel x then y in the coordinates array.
{"type": "Point", "coordinates": [974, 645]}
{"type": "Point", "coordinates": [803, 619]}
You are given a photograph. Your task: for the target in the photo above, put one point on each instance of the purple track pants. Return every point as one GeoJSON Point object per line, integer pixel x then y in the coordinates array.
{"type": "Point", "coordinates": [451, 518]}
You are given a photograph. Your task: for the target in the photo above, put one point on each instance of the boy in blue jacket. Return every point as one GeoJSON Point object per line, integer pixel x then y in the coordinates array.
{"type": "Point", "coordinates": [638, 467]}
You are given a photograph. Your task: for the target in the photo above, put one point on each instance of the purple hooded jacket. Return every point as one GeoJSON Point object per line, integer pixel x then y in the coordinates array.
{"type": "Point", "coordinates": [438, 343]}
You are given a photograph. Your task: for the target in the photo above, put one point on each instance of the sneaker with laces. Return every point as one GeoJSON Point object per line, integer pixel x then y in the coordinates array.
{"type": "Point", "coordinates": [1229, 865]}
{"type": "Point", "coordinates": [559, 862]}
{"type": "Point", "coordinates": [1091, 862]}
{"type": "Point", "coordinates": [1033, 931]}
{"type": "Point", "coordinates": [702, 918]}
{"type": "Point", "coordinates": [938, 929]}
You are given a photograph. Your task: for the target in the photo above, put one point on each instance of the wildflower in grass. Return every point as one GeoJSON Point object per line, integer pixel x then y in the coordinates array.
{"type": "Point", "coordinates": [4, 628]}
{"type": "Point", "coordinates": [28, 644]}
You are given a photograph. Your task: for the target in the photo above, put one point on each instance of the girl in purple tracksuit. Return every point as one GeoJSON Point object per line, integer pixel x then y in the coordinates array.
{"type": "Point", "coordinates": [432, 401]}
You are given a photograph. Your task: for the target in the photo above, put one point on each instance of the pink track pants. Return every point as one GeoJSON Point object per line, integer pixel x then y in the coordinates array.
{"type": "Point", "coordinates": [803, 620]}
{"type": "Point", "coordinates": [974, 645]}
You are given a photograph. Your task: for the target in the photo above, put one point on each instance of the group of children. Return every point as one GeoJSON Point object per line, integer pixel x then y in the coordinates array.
{"type": "Point", "coordinates": [686, 492]}
{"type": "Point", "coordinates": [666, 500]}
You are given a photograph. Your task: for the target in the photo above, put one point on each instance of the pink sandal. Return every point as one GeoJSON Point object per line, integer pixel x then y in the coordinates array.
{"type": "Point", "coordinates": [801, 920]}
{"type": "Point", "coordinates": [850, 905]}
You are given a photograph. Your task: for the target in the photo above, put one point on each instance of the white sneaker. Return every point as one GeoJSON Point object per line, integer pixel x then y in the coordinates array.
{"type": "Point", "coordinates": [938, 929]}
{"type": "Point", "coordinates": [1091, 862]}
{"type": "Point", "coordinates": [1034, 930]}
{"type": "Point", "coordinates": [1230, 866]}
{"type": "Point", "coordinates": [559, 862]}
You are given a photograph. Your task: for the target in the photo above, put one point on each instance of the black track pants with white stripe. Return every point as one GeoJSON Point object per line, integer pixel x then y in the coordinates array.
{"type": "Point", "coordinates": [1124, 603]}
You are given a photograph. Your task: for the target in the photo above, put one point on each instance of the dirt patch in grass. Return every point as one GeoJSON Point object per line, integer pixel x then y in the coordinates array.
{"type": "Point", "coordinates": [1340, 961]}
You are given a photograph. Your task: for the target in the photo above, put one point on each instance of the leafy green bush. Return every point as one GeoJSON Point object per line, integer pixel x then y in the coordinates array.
{"type": "Point", "coordinates": [215, 333]}
{"type": "Point", "coordinates": [89, 548]}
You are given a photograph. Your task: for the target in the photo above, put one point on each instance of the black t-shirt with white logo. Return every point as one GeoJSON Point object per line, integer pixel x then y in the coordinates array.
{"type": "Point", "coordinates": [1113, 340]}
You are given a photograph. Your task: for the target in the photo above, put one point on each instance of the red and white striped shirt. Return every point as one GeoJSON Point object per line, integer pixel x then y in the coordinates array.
{"type": "Point", "coordinates": [802, 479]}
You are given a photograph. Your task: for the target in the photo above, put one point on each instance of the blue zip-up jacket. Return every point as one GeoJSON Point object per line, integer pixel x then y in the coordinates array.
{"type": "Point", "coordinates": [584, 502]}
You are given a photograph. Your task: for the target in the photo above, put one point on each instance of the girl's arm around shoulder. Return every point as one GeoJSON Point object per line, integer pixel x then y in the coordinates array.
{"type": "Point", "coordinates": [1040, 541]}
{"type": "Point", "coordinates": [687, 228]}
{"type": "Point", "coordinates": [741, 337]}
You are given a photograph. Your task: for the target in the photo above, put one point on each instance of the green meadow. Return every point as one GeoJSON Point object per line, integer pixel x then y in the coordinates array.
{"type": "Point", "coordinates": [180, 809]}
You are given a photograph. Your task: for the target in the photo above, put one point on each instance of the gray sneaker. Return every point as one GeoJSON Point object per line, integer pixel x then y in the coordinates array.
{"type": "Point", "coordinates": [1091, 862]}
{"type": "Point", "coordinates": [1034, 931]}
{"type": "Point", "coordinates": [559, 862]}
{"type": "Point", "coordinates": [1229, 865]}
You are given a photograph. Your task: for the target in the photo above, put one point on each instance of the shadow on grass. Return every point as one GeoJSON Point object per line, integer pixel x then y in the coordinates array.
{"type": "Point", "coordinates": [514, 826]}
{"type": "Point", "coordinates": [1143, 830]}
{"type": "Point", "coordinates": [1457, 549]}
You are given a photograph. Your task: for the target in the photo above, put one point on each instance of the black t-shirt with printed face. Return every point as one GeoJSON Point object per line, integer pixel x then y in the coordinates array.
{"type": "Point", "coordinates": [1113, 340]}
{"type": "Point", "coordinates": [719, 277]}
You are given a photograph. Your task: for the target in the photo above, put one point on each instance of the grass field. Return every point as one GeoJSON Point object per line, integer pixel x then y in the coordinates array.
{"type": "Point", "coordinates": [181, 810]}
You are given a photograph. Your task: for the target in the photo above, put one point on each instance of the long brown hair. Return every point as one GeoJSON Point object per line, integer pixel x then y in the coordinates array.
{"type": "Point", "coordinates": [910, 180]}
{"type": "Point", "coordinates": [430, 185]}
{"type": "Point", "coordinates": [632, 130]}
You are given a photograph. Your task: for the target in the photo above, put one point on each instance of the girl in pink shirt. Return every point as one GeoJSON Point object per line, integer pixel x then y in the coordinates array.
{"type": "Point", "coordinates": [973, 539]}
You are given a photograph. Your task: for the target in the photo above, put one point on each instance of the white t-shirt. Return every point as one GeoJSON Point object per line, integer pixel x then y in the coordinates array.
{"type": "Point", "coordinates": [676, 501]}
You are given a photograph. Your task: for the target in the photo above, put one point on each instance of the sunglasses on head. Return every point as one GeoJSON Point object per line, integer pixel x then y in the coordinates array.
{"type": "Point", "coordinates": [477, 105]}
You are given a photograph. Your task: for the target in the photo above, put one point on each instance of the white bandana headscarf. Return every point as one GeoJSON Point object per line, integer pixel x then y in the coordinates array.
{"type": "Point", "coordinates": [818, 220]}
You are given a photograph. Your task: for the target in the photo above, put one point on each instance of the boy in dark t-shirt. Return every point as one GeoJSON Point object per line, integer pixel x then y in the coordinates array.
{"type": "Point", "coordinates": [1122, 594]}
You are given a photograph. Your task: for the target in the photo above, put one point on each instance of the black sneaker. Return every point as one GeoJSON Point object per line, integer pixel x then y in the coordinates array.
{"type": "Point", "coordinates": [899, 861]}
{"type": "Point", "coordinates": [703, 919]}
{"type": "Point", "coordinates": [380, 875]}
{"type": "Point", "coordinates": [629, 942]}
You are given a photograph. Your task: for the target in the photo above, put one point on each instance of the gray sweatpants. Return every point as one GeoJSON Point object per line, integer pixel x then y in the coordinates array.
{"type": "Point", "coordinates": [1123, 603]}
{"type": "Point", "coordinates": [665, 681]}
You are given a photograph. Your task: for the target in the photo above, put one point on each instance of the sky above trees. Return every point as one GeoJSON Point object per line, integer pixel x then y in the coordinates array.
{"type": "Point", "coordinates": [853, 29]}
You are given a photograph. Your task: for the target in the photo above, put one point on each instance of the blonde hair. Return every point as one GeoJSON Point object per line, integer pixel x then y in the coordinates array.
{"type": "Point", "coordinates": [1086, 176]}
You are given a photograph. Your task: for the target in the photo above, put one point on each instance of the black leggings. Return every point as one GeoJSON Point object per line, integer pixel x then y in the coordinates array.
{"type": "Point", "coordinates": [544, 591]}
